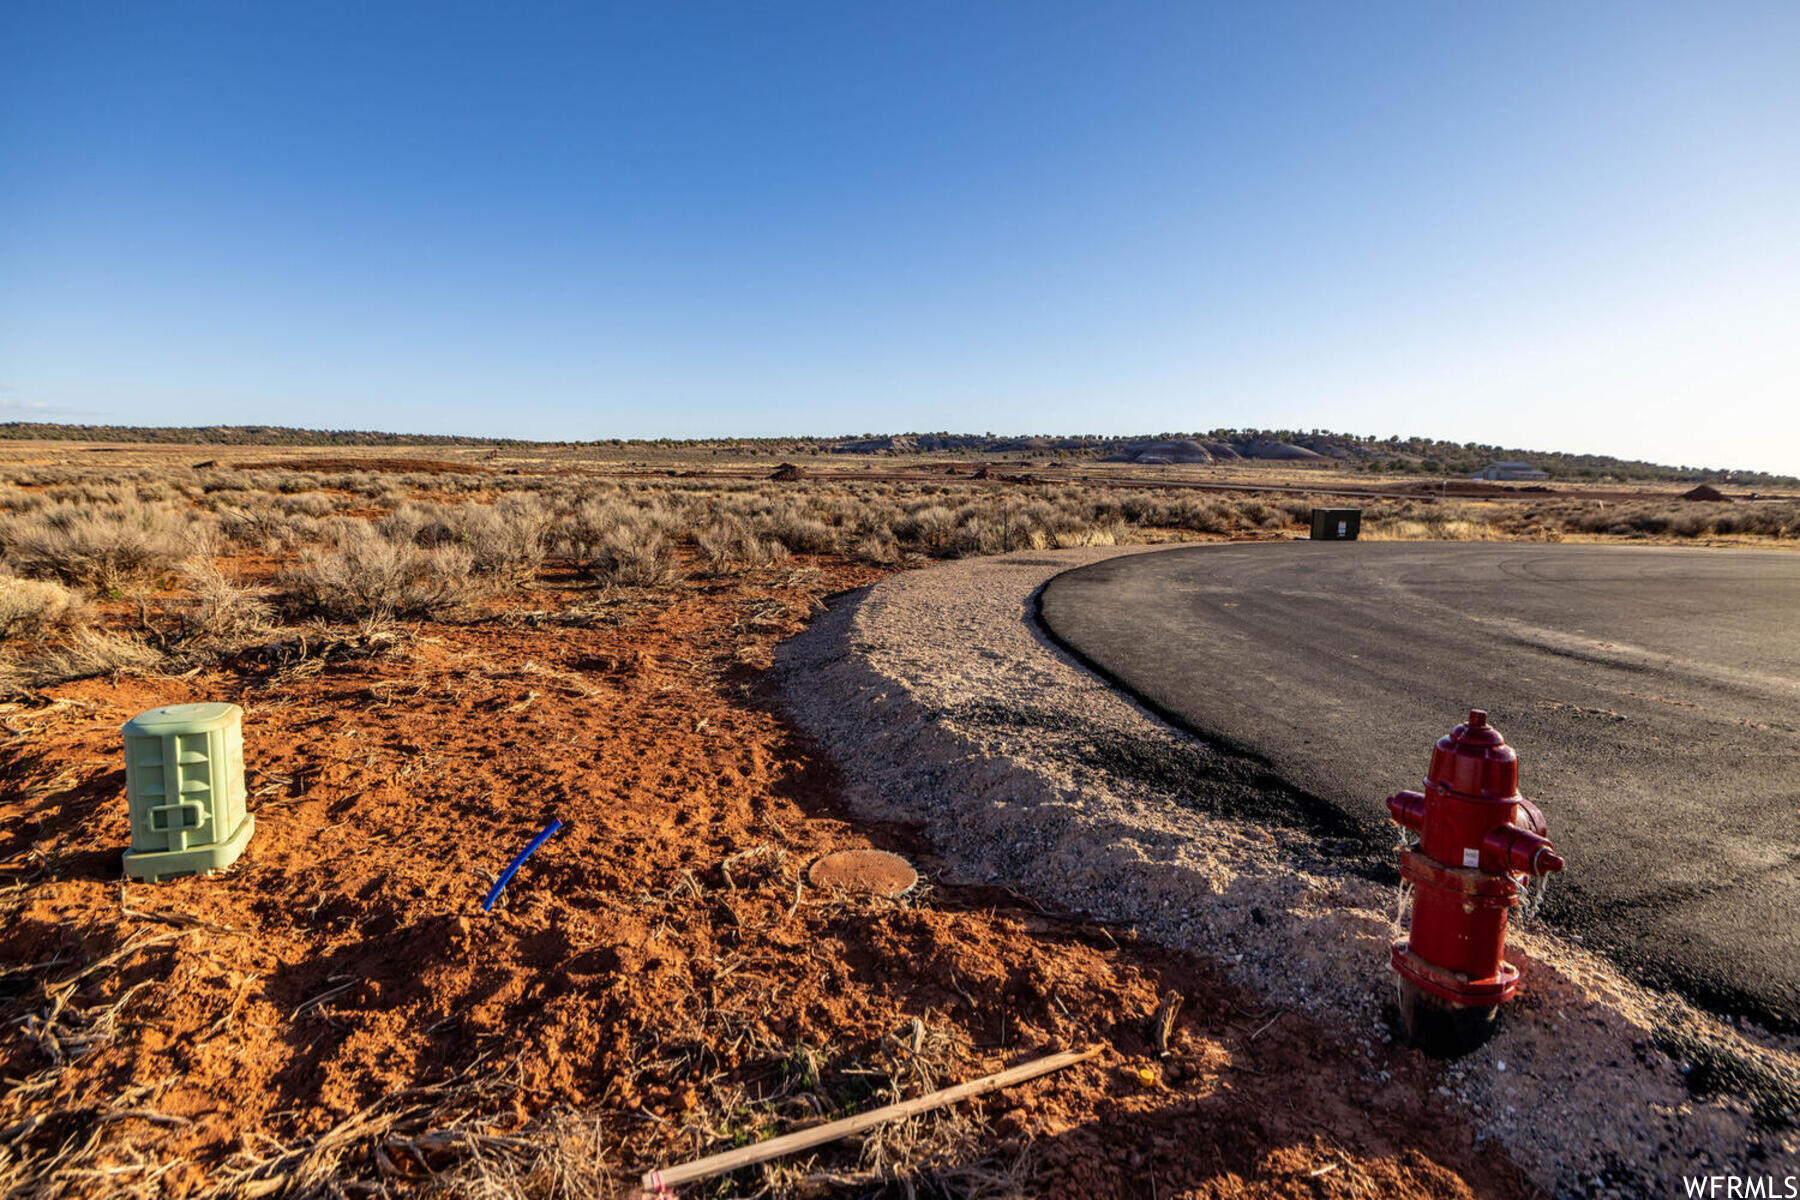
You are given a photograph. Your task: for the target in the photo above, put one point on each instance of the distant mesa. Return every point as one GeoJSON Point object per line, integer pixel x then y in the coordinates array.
{"type": "Point", "coordinates": [1160, 452]}
{"type": "Point", "coordinates": [1510, 470]}
{"type": "Point", "coordinates": [937, 443]}
{"type": "Point", "coordinates": [1185, 450]}
{"type": "Point", "coordinates": [880, 445]}
{"type": "Point", "coordinates": [1269, 448]}
{"type": "Point", "coordinates": [911, 443]}
{"type": "Point", "coordinates": [1705, 492]}
{"type": "Point", "coordinates": [1163, 453]}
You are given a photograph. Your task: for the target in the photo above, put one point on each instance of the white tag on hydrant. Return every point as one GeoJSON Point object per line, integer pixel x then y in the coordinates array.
{"type": "Point", "coordinates": [1471, 858]}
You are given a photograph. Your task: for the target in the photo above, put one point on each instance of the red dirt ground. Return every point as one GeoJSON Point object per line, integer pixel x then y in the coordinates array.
{"type": "Point", "coordinates": [657, 968]}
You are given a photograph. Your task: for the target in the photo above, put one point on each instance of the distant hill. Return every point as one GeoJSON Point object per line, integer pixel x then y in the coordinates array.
{"type": "Point", "coordinates": [1427, 457]}
{"type": "Point", "coordinates": [234, 435]}
{"type": "Point", "coordinates": [1430, 456]}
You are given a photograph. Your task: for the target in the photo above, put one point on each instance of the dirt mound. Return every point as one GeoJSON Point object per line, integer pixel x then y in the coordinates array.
{"type": "Point", "coordinates": [787, 473]}
{"type": "Point", "coordinates": [410, 466]}
{"type": "Point", "coordinates": [1705, 492]}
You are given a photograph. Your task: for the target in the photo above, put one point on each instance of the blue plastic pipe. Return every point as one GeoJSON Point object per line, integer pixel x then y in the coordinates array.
{"type": "Point", "coordinates": [512, 868]}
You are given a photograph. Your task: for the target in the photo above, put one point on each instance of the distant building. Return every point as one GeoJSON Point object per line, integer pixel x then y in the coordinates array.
{"type": "Point", "coordinates": [1512, 470]}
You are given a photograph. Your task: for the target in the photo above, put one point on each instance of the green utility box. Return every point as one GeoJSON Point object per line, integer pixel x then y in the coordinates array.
{"type": "Point", "coordinates": [184, 781]}
{"type": "Point", "coordinates": [1336, 524]}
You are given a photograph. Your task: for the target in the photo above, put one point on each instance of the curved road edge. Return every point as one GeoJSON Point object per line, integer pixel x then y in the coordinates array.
{"type": "Point", "coordinates": [943, 704]}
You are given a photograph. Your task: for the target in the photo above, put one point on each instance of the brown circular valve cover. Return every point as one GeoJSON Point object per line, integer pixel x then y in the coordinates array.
{"type": "Point", "coordinates": [871, 872]}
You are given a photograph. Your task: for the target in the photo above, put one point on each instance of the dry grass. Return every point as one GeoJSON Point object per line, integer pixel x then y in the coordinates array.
{"type": "Point", "coordinates": [365, 545]}
{"type": "Point", "coordinates": [505, 540]}
{"type": "Point", "coordinates": [33, 609]}
{"type": "Point", "coordinates": [1687, 519]}
{"type": "Point", "coordinates": [634, 555]}
{"type": "Point", "coordinates": [224, 615]}
{"type": "Point", "coordinates": [84, 653]}
{"type": "Point", "coordinates": [1556, 519]}
{"type": "Point", "coordinates": [102, 546]}
{"type": "Point", "coordinates": [359, 545]}
{"type": "Point", "coordinates": [731, 544]}
{"type": "Point", "coordinates": [371, 573]}
{"type": "Point", "coordinates": [1440, 528]}
{"type": "Point", "coordinates": [409, 1135]}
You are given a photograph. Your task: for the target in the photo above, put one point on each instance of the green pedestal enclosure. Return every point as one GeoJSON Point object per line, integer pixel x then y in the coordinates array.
{"type": "Point", "coordinates": [184, 780]}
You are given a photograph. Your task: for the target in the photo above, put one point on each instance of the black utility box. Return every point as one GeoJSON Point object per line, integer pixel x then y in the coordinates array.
{"type": "Point", "coordinates": [1336, 524]}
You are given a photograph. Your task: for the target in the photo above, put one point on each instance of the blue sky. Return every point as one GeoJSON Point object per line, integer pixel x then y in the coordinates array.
{"type": "Point", "coordinates": [1566, 226]}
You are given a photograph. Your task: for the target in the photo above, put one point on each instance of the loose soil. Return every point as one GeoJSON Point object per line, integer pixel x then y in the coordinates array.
{"type": "Point", "coordinates": [336, 1016]}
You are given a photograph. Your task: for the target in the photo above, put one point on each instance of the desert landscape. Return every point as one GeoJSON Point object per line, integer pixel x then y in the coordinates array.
{"type": "Point", "coordinates": [439, 649]}
{"type": "Point", "coordinates": [1150, 601]}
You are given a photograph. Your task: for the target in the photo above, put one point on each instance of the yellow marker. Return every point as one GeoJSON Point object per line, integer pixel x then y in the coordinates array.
{"type": "Point", "coordinates": [1147, 1076]}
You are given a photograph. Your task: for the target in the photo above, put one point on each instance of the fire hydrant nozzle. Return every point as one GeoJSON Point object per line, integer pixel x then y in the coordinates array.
{"type": "Point", "coordinates": [1408, 809]}
{"type": "Point", "coordinates": [1520, 851]}
{"type": "Point", "coordinates": [1477, 839]}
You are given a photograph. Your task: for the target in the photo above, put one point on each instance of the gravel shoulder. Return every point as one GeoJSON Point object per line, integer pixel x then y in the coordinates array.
{"type": "Point", "coordinates": [945, 706]}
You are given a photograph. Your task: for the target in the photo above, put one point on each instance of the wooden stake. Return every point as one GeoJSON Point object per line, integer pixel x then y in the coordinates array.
{"type": "Point", "coordinates": [831, 1131]}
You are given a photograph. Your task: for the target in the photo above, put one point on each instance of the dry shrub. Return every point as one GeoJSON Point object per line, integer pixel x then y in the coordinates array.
{"type": "Point", "coordinates": [15, 499]}
{"type": "Point", "coordinates": [1097, 535]}
{"type": "Point", "coordinates": [634, 556]}
{"type": "Point", "coordinates": [95, 546]}
{"type": "Point", "coordinates": [1429, 529]}
{"type": "Point", "coordinates": [729, 544]}
{"type": "Point", "coordinates": [803, 534]}
{"type": "Point", "coordinates": [621, 543]}
{"type": "Point", "coordinates": [505, 540]}
{"type": "Point", "coordinates": [32, 609]}
{"type": "Point", "coordinates": [272, 524]}
{"type": "Point", "coordinates": [308, 504]}
{"type": "Point", "coordinates": [928, 527]}
{"type": "Point", "coordinates": [879, 548]}
{"type": "Point", "coordinates": [83, 653]}
{"type": "Point", "coordinates": [224, 613]}
{"type": "Point", "coordinates": [369, 574]}
{"type": "Point", "coordinates": [583, 528]}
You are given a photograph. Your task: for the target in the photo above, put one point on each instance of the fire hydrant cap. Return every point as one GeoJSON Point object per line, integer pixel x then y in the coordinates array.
{"type": "Point", "coordinates": [1475, 760]}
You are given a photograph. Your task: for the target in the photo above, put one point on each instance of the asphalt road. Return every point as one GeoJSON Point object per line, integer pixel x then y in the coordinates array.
{"type": "Point", "coordinates": [1653, 695]}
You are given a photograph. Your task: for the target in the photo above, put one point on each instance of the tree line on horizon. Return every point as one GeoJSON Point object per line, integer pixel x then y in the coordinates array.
{"type": "Point", "coordinates": [1418, 456]}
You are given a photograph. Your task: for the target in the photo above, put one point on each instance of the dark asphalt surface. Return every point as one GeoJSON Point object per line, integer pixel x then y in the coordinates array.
{"type": "Point", "coordinates": [1653, 695]}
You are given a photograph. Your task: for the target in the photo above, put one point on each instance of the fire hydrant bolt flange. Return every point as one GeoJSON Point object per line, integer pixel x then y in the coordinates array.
{"type": "Point", "coordinates": [1478, 841]}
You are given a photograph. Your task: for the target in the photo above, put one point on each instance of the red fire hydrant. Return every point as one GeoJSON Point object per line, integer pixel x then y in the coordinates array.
{"type": "Point", "coordinates": [1478, 841]}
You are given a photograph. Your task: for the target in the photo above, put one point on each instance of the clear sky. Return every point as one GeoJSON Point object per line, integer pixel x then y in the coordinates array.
{"type": "Point", "coordinates": [1561, 226]}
